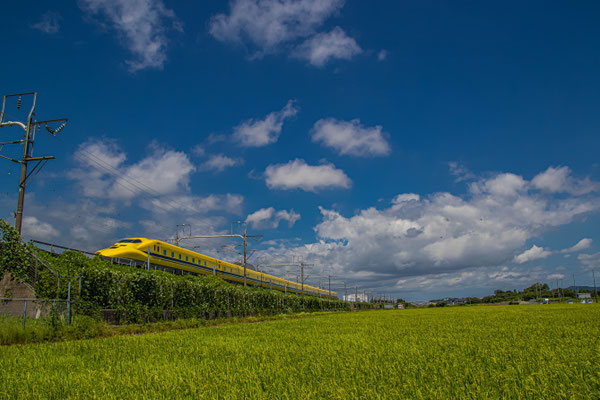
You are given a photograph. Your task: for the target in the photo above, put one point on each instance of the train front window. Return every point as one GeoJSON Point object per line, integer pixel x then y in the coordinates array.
{"type": "Point", "coordinates": [129, 241]}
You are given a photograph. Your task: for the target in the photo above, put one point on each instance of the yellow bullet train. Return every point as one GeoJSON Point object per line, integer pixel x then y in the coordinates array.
{"type": "Point", "coordinates": [177, 260]}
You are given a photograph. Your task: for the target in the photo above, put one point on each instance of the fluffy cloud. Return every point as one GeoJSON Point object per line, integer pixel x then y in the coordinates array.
{"type": "Point", "coordinates": [81, 223]}
{"type": "Point", "coordinates": [164, 172]}
{"type": "Point", "coordinates": [350, 138]}
{"type": "Point", "coordinates": [559, 180]}
{"type": "Point", "coordinates": [554, 277]}
{"type": "Point", "coordinates": [105, 175]}
{"type": "Point", "coordinates": [589, 261]}
{"type": "Point", "coordinates": [267, 24]}
{"type": "Point", "coordinates": [270, 218]}
{"type": "Point", "coordinates": [508, 185]}
{"type": "Point", "coordinates": [443, 234]}
{"type": "Point", "coordinates": [583, 244]}
{"type": "Point", "coordinates": [297, 174]}
{"type": "Point", "coordinates": [188, 204]}
{"type": "Point", "coordinates": [198, 150]}
{"type": "Point", "coordinates": [141, 25]}
{"type": "Point", "coordinates": [50, 23]}
{"type": "Point", "coordinates": [489, 278]}
{"type": "Point", "coordinates": [324, 47]}
{"type": "Point", "coordinates": [461, 172]}
{"type": "Point", "coordinates": [258, 133]}
{"type": "Point", "coordinates": [532, 254]}
{"type": "Point", "coordinates": [218, 162]}
{"type": "Point", "coordinates": [36, 229]}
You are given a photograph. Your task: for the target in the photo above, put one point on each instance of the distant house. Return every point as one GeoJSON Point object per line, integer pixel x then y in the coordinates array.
{"type": "Point", "coordinates": [584, 295]}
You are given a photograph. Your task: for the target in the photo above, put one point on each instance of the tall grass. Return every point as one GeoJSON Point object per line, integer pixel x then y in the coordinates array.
{"type": "Point", "coordinates": [511, 352]}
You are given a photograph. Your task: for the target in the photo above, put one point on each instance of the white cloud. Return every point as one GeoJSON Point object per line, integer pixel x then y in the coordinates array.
{"type": "Point", "coordinates": [461, 172]}
{"type": "Point", "coordinates": [554, 277]}
{"type": "Point", "coordinates": [99, 159]}
{"type": "Point", "coordinates": [502, 278]}
{"type": "Point", "coordinates": [267, 24]}
{"type": "Point", "coordinates": [141, 25]}
{"type": "Point", "coordinates": [189, 204]}
{"type": "Point", "coordinates": [325, 47]}
{"type": "Point", "coordinates": [382, 55]}
{"type": "Point", "coordinates": [508, 185]}
{"type": "Point", "coordinates": [351, 138]}
{"type": "Point", "coordinates": [39, 230]}
{"type": "Point", "coordinates": [103, 173]}
{"type": "Point", "coordinates": [532, 254]}
{"type": "Point", "coordinates": [583, 244]}
{"type": "Point", "coordinates": [405, 197]}
{"type": "Point", "coordinates": [270, 218]}
{"type": "Point", "coordinates": [442, 233]}
{"type": "Point", "coordinates": [198, 150]}
{"type": "Point", "coordinates": [590, 261]}
{"type": "Point", "coordinates": [297, 174]}
{"type": "Point", "coordinates": [559, 180]}
{"type": "Point", "coordinates": [50, 23]}
{"type": "Point", "coordinates": [218, 162]}
{"type": "Point", "coordinates": [80, 223]}
{"type": "Point", "coordinates": [258, 133]}
{"type": "Point", "coordinates": [163, 172]}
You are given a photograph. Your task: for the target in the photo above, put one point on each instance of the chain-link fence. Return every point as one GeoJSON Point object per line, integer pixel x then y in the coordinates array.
{"type": "Point", "coordinates": [53, 310]}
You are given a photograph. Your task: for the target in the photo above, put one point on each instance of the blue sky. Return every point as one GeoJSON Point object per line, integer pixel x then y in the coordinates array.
{"type": "Point", "coordinates": [417, 149]}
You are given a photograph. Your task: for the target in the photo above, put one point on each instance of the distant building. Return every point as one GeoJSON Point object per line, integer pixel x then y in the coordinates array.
{"type": "Point", "coordinates": [361, 297]}
{"type": "Point", "coordinates": [584, 295]}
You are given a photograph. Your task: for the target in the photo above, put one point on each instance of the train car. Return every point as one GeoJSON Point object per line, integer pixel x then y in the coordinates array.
{"type": "Point", "coordinates": [170, 258]}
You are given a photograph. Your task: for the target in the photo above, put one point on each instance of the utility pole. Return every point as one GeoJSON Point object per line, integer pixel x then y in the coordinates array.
{"type": "Point", "coordinates": [574, 287]}
{"type": "Point", "coordinates": [595, 291]}
{"type": "Point", "coordinates": [562, 291]}
{"type": "Point", "coordinates": [300, 279]}
{"type": "Point", "coordinates": [243, 236]}
{"type": "Point", "coordinates": [177, 238]}
{"type": "Point", "coordinates": [29, 127]}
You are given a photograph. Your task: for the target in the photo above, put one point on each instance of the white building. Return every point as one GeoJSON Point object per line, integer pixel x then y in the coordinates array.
{"type": "Point", "coordinates": [361, 297]}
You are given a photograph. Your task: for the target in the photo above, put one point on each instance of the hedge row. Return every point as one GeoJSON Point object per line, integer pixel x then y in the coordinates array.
{"type": "Point", "coordinates": [142, 296]}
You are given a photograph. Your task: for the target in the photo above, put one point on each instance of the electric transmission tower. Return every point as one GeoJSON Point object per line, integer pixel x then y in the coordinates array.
{"type": "Point", "coordinates": [29, 126]}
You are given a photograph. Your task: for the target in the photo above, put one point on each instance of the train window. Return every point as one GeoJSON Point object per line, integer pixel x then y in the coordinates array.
{"type": "Point", "coordinates": [179, 256]}
{"type": "Point", "coordinates": [186, 258]}
{"type": "Point", "coordinates": [193, 261]}
{"type": "Point", "coordinates": [129, 241]}
{"type": "Point", "coordinates": [172, 254]}
{"type": "Point", "coordinates": [164, 252]}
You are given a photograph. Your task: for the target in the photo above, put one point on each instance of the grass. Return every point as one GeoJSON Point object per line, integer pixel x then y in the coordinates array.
{"type": "Point", "coordinates": [43, 330]}
{"type": "Point", "coordinates": [512, 352]}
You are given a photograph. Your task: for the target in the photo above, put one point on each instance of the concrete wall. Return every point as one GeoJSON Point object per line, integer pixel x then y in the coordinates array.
{"type": "Point", "coordinates": [12, 288]}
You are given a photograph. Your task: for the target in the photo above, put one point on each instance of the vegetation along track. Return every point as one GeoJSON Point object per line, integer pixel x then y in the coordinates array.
{"type": "Point", "coordinates": [524, 352]}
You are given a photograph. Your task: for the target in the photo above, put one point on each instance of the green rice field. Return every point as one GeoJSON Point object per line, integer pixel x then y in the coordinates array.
{"type": "Point", "coordinates": [495, 352]}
